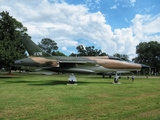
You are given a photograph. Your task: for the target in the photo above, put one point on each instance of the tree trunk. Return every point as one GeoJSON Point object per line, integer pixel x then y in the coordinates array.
{"type": "Point", "coordinates": [0, 64]}
{"type": "Point", "coordinates": [10, 71]}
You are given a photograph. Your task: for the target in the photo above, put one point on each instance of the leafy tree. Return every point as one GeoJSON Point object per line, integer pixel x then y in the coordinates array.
{"type": "Point", "coordinates": [58, 53]}
{"type": "Point", "coordinates": [48, 45]}
{"type": "Point", "coordinates": [103, 54]}
{"type": "Point", "coordinates": [149, 54]}
{"type": "Point", "coordinates": [122, 56]}
{"type": "Point", "coordinates": [11, 47]}
{"type": "Point", "coordinates": [88, 51]}
{"type": "Point", "coordinates": [73, 55]}
{"type": "Point", "coordinates": [81, 50]}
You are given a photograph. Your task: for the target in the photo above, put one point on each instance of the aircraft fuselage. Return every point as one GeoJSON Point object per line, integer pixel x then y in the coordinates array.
{"type": "Point", "coordinates": [79, 64]}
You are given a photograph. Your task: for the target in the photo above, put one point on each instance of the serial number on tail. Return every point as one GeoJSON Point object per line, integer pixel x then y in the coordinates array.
{"type": "Point", "coordinates": [38, 54]}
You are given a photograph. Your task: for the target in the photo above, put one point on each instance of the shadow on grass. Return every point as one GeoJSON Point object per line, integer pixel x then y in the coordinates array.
{"type": "Point", "coordinates": [22, 81]}
{"type": "Point", "coordinates": [49, 82]}
{"type": "Point", "coordinates": [66, 82]}
{"type": "Point", "coordinates": [52, 82]}
{"type": "Point", "coordinates": [9, 76]}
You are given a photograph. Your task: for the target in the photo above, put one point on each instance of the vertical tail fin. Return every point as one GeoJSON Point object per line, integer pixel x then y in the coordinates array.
{"type": "Point", "coordinates": [32, 48]}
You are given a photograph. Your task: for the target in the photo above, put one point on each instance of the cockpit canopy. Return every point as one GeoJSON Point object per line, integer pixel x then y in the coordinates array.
{"type": "Point", "coordinates": [115, 58]}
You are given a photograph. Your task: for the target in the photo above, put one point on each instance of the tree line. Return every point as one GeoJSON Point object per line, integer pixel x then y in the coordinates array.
{"type": "Point", "coordinates": [50, 46]}
{"type": "Point", "coordinates": [11, 47]}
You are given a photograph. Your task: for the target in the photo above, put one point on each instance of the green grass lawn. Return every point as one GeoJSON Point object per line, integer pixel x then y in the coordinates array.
{"type": "Point", "coordinates": [39, 97]}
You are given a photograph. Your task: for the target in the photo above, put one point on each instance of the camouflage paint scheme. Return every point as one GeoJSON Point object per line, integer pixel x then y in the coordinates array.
{"type": "Point", "coordinates": [99, 64]}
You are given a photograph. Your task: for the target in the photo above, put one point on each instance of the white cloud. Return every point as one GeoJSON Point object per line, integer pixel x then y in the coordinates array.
{"type": "Point", "coordinates": [97, 1]}
{"type": "Point", "coordinates": [144, 28]}
{"type": "Point", "coordinates": [133, 2]}
{"type": "Point", "coordinates": [125, 41]}
{"type": "Point", "coordinates": [153, 26]}
{"type": "Point", "coordinates": [64, 48]}
{"type": "Point", "coordinates": [125, 3]}
{"type": "Point", "coordinates": [113, 7]}
{"type": "Point", "coordinates": [145, 25]}
{"type": "Point", "coordinates": [92, 4]}
{"type": "Point", "coordinates": [65, 41]}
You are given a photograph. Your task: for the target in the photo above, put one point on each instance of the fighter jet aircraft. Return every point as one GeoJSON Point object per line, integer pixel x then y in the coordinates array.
{"type": "Point", "coordinates": [97, 65]}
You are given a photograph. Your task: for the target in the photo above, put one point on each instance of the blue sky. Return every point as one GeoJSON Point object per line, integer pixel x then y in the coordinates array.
{"type": "Point", "coordinates": [114, 26]}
